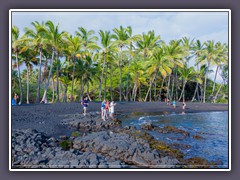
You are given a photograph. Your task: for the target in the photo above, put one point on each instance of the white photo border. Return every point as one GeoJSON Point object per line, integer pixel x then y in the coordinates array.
{"type": "Point", "coordinates": [123, 10]}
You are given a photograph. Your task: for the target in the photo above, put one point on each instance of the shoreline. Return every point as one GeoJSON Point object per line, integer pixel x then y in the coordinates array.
{"type": "Point", "coordinates": [46, 117]}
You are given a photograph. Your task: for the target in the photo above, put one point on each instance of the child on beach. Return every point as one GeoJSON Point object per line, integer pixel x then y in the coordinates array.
{"type": "Point", "coordinates": [102, 108]}
{"type": "Point", "coordinates": [168, 101]}
{"type": "Point", "coordinates": [183, 105]}
{"type": "Point", "coordinates": [85, 105]}
{"type": "Point", "coordinates": [15, 98]}
{"type": "Point", "coordinates": [111, 109]}
{"type": "Point", "coordinates": [174, 103]}
{"type": "Point", "coordinates": [13, 102]}
{"type": "Point", "coordinates": [107, 109]}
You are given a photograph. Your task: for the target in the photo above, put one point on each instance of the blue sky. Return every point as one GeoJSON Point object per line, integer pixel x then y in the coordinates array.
{"type": "Point", "coordinates": [169, 25]}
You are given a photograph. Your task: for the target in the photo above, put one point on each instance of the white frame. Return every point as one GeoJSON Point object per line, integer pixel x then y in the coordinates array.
{"type": "Point", "coordinates": [122, 10]}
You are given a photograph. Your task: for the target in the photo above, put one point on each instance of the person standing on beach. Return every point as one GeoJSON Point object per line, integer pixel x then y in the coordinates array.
{"type": "Point", "coordinates": [168, 101]}
{"type": "Point", "coordinates": [183, 105]}
{"type": "Point", "coordinates": [111, 109]}
{"type": "Point", "coordinates": [107, 109]}
{"type": "Point", "coordinates": [102, 108]}
{"type": "Point", "coordinates": [174, 103]}
{"type": "Point", "coordinates": [15, 97]}
{"type": "Point", "coordinates": [85, 105]}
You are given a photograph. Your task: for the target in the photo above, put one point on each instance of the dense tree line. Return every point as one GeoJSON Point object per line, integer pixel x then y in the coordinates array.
{"type": "Point", "coordinates": [118, 65]}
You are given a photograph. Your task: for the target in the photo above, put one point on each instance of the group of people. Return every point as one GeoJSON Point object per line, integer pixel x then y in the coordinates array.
{"type": "Point", "coordinates": [107, 109]}
{"type": "Point", "coordinates": [174, 103]}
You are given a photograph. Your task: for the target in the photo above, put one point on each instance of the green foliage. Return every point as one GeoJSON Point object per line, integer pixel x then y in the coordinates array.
{"type": "Point", "coordinates": [65, 144]}
{"type": "Point", "coordinates": [222, 100]}
{"type": "Point", "coordinates": [75, 134]}
{"type": "Point", "coordinates": [120, 61]}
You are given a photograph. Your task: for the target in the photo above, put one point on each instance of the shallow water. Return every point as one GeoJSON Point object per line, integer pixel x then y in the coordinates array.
{"type": "Point", "coordinates": [212, 126]}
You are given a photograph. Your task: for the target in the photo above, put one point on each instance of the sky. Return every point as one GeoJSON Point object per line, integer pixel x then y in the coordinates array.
{"type": "Point", "coordinates": [201, 26]}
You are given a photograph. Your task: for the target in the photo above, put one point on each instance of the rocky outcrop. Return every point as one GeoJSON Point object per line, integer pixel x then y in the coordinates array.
{"type": "Point", "coordinates": [124, 148]}
{"type": "Point", "coordinates": [91, 122]}
{"type": "Point", "coordinates": [31, 149]}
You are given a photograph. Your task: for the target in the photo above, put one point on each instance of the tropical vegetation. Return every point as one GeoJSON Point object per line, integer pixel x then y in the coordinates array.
{"type": "Point", "coordinates": [49, 65]}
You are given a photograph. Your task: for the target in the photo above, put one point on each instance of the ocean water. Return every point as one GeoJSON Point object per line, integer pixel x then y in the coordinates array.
{"type": "Point", "coordinates": [212, 126]}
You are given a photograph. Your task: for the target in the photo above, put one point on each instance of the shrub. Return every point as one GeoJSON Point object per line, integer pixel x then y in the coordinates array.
{"type": "Point", "coordinates": [65, 144]}
{"type": "Point", "coordinates": [75, 134]}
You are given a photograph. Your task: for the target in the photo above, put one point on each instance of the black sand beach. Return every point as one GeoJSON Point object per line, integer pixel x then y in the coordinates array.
{"type": "Point", "coordinates": [46, 117]}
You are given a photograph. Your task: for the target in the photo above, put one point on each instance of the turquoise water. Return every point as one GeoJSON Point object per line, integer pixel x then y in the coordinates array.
{"type": "Point", "coordinates": [212, 126]}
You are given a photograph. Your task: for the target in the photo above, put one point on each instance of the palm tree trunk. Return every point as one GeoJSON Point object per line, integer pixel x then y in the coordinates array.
{"type": "Point", "coordinates": [150, 86]}
{"type": "Point", "coordinates": [176, 75]}
{"type": "Point", "coordinates": [65, 95]}
{"type": "Point", "coordinates": [173, 79]}
{"type": "Point", "coordinates": [81, 89]}
{"type": "Point", "coordinates": [105, 82]}
{"type": "Point", "coordinates": [58, 79]}
{"type": "Point", "coordinates": [120, 85]}
{"type": "Point", "coordinates": [195, 92]}
{"type": "Point", "coordinates": [140, 93]}
{"type": "Point", "coordinates": [169, 79]}
{"type": "Point", "coordinates": [215, 97]}
{"type": "Point", "coordinates": [53, 89]}
{"type": "Point", "coordinates": [111, 83]}
{"type": "Point", "coordinates": [49, 75]}
{"type": "Point", "coordinates": [198, 96]}
{"type": "Point", "coordinates": [127, 81]}
{"type": "Point", "coordinates": [28, 84]}
{"type": "Point", "coordinates": [214, 83]}
{"type": "Point", "coordinates": [100, 92]}
{"type": "Point", "coordinates": [39, 78]}
{"type": "Point", "coordinates": [155, 90]}
{"type": "Point", "coordinates": [204, 91]}
{"type": "Point", "coordinates": [73, 78]}
{"type": "Point", "coordinates": [182, 93]}
{"type": "Point", "coordinates": [19, 80]}
{"type": "Point", "coordinates": [44, 71]}
{"type": "Point", "coordinates": [160, 92]}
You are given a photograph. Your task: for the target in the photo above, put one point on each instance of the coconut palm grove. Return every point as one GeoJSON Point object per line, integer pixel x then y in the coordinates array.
{"type": "Point", "coordinates": [49, 65]}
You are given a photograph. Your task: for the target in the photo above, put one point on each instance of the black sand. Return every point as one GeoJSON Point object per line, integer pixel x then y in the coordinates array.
{"type": "Point", "coordinates": [47, 117]}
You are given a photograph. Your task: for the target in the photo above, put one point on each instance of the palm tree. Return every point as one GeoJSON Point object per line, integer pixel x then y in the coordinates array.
{"type": "Point", "coordinates": [187, 74]}
{"type": "Point", "coordinates": [66, 81]}
{"type": "Point", "coordinates": [198, 50]}
{"type": "Point", "coordinates": [208, 57]}
{"type": "Point", "coordinates": [131, 39]}
{"type": "Point", "coordinates": [38, 40]}
{"type": "Point", "coordinates": [222, 56]}
{"type": "Point", "coordinates": [106, 42]}
{"type": "Point", "coordinates": [55, 38]}
{"type": "Point", "coordinates": [74, 47]}
{"type": "Point", "coordinates": [159, 63]}
{"type": "Point", "coordinates": [174, 53]}
{"type": "Point", "coordinates": [17, 49]}
{"type": "Point", "coordinates": [29, 58]}
{"type": "Point", "coordinates": [87, 38]}
{"type": "Point", "coordinates": [136, 73]}
{"type": "Point", "coordinates": [90, 72]}
{"type": "Point", "coordinates": [122, 39]}
{"type": "Point", "coordinates": [80, 70]}
{"type": "Point", "coordinates": [147, 43]}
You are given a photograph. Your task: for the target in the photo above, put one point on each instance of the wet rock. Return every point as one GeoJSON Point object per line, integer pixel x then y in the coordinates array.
{"type": "Point", "coordinates": [91, 122]}
{"type": "Point", "coordinates": [41, 154]}
{"type": "Point", "coordinates": [196, 162]}
{"type": "Point", "coordinates": [197, 137]}
{"type": "Point", "coordinates": [121, 147]}
{"type": "Point", "coordinates": [172, 129]}
{"type": "Point", "coordinates": [147, 126]}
